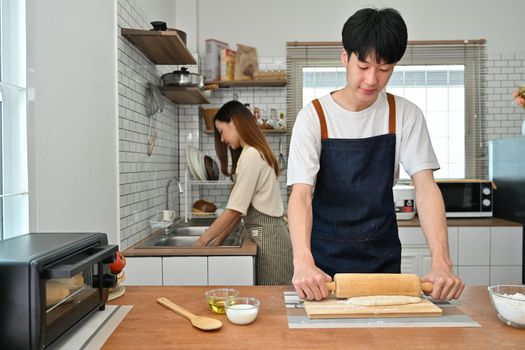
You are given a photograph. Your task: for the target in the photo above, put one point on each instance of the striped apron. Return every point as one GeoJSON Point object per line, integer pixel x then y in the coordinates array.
{"type": "Point", "coordinates": [274, 261]}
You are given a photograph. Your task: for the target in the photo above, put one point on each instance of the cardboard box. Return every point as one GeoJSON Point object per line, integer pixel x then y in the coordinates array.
{"type": "Point", "coordinates": [227, 63]}
{"type": "Point", "coordinates": [212, 71]}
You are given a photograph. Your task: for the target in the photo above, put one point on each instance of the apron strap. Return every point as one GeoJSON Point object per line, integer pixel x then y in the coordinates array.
{"type": "Point", "coordinates": [391, 116]}
{"type": "Point", "coordinates": [322, 120]}
{"type": "Point", "coordinates": [391, 113]}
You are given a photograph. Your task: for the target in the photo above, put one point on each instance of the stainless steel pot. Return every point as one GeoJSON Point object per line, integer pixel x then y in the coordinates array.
{"type": "Point", "coordinates": [182, 77]}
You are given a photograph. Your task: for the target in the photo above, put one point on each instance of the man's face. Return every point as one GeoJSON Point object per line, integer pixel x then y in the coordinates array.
{"type": "Point", "coordinates": [366, 79]}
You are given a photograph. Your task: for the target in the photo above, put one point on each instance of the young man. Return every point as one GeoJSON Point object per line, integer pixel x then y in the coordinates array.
{"type": "Point", "coordinates": [344, 159]}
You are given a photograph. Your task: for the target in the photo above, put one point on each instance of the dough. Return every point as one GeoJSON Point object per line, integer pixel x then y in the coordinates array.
{"type": "Point", "coordinates": [383, 300]}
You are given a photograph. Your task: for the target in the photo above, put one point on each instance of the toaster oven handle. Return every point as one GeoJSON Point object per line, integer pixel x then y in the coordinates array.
{"type": "Point", "coordinates": [77, 263]}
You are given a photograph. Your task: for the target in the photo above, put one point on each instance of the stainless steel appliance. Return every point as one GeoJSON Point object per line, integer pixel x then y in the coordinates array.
{"type": "Point", "coordinates": [467, 198]}
{"type": "Point", "coordinates": [507, 170]}
{"type": "Point", "coordinates": [51, 281]}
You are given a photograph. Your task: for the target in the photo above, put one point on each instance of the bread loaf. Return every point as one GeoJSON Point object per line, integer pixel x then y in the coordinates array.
{"type": "Point", "coordinates": [55, 292]}
{"type": "Point", "coordinates": [204, 206]}
{"type": "Point", "coordinates": [74, 282]}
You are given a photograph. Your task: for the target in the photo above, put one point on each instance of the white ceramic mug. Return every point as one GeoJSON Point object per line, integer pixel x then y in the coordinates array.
{"type": "Point", "coordinates": [166, 215]}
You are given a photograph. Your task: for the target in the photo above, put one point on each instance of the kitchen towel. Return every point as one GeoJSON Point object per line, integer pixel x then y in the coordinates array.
{"type": "Point", "coordinates": [297, 318]}
{"type": "Point", "coordinates": [93, 332]}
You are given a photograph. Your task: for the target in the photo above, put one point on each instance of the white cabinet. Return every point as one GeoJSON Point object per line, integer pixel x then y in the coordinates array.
{"type": "Point", "coordinates": [143, 271]}
{"type": "Point", "coordinates": [505, 275]}
{"type": "Point", "coordinates": [416, 260]}
{"type": "Point", "coordinates": [480, 255]}
{"type": "Point", "coordinates": [409, 261]}
{"type": "Point", "coordinates": [231, 270]}
{"type": "Point", "coordinates": [506, 246]}
{"type": "Point", "coordinates": [474, 246]}
{"type": "Point", "coordinates": [506, 257]}
{"type": "Point", "coordinates": [185, 271]}
{"type": "Point", "coordinates": [474, 275]}
{"type": "Point", "coordinates": [190, 271]}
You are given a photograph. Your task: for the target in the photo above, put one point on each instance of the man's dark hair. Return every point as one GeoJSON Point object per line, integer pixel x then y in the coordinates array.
{"type": "Point", "coordinates": [379, 31]}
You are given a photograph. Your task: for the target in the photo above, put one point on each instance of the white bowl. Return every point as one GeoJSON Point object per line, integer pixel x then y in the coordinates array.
{"type": "Point", "coordinates": [242, 310]}
{"type": "Point", "coordinates": [509, 301]}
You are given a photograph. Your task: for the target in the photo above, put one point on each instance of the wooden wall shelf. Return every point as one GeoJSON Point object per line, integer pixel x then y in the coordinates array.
{"type": "Point", "coordinates": [265, 131]}
{"type": "Point", "coordinates": [184, 95]}
{"type": "Point", "coordinates": [161, 47]}
{"type": "Point", "coordinates": [245, 83]}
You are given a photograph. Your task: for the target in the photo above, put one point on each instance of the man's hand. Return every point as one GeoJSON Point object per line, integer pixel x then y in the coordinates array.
{"type": "Point", "coordinates": [447, 286]}
{"type": "Point", "coordinates": [310, 282]}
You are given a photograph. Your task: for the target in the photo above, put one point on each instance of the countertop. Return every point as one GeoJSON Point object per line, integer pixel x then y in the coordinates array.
{"type": "Point", "coordinates": [248, 247]}
{"type": "Point", "coordinates": [471, 222]}
{"type": "Point", "coordinates": [151, 326]}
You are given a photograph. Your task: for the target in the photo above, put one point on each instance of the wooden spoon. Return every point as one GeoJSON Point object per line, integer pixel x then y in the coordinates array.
{"type": "Point", "coordinates": [204, 323]}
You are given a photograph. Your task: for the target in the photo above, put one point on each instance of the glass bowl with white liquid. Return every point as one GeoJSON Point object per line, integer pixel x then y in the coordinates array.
{"type": "Point", "coordinates": [242, 310]}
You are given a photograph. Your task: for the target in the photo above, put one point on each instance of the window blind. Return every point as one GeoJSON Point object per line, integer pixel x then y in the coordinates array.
{"type": "Point", "coordinates": [469, 55]}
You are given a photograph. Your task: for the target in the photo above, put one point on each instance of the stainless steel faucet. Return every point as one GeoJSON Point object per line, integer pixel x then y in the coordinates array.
{"type": "Point", "coordinates": [168, 188]}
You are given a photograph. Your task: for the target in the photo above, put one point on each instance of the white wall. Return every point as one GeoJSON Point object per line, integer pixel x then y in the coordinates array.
{"type": "Point", "coordinates": [269, 24]}
{"type": "Point", "coordinates": [157, 10]}
{"type": "Point", "coordinates": [72, 116]}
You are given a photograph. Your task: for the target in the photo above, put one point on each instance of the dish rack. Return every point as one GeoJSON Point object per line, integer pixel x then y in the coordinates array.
{"type": "Point", "coordinates": [189, 182]}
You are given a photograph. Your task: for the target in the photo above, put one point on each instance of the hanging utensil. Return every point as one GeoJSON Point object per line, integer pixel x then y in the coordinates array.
{"type": "Point", "coordinates": [154, 106]}
{"type": "Point", "coordinates": [282, 161]}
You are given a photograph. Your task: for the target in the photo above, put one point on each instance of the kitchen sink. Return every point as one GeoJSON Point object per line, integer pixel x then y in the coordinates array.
{"type": "Point", "coordinates": [184, 234]}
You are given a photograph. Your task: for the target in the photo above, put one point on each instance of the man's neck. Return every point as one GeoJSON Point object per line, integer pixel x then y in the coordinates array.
{"type": "Point", "coordinates": [347, 99]}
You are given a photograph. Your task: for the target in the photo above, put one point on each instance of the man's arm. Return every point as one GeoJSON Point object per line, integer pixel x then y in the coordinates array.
{"type": "Point", "coordinates": [309, 281]}
{"type": "Point", "coordinates": [431, 212]}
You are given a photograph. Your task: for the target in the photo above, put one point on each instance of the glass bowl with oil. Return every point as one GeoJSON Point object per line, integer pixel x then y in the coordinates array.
{"type": "Point", "coordinates": [217, 297]}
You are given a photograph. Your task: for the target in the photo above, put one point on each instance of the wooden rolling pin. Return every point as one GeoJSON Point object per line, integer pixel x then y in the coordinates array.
{"type": "Point", "coordinates": [347, 285]}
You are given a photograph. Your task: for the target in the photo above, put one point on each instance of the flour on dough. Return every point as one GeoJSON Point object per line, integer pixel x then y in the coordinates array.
{"type": "Point", "coordinates": [383, 300]}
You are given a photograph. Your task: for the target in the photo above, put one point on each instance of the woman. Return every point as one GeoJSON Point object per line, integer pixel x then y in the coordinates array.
{"type": "Point", "coordinates": [255, 194]}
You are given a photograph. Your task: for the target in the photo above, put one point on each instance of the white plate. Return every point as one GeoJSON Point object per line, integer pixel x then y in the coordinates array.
{"type": "Point", "coordinates": [189, 159]}
{"type": "Point", "coordinates": [199, 165]}
{"type": "Point", "coordinates": [203, 166]}
{"type": "Point", "coordinates": [195, 162]}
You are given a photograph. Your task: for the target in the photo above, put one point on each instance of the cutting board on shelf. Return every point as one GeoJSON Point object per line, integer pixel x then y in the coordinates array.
{"type": "Point", "coordinates": [339, 308]}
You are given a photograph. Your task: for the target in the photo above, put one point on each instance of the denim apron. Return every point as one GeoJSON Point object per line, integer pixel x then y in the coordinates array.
{"type": "Point", "coordinates": [354, 225]}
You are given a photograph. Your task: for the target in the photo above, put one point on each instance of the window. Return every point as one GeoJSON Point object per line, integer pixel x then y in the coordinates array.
{"type": "Point", "coordinates": [13, 124]}
{"type": "Point", "coordinates": [445, 80]}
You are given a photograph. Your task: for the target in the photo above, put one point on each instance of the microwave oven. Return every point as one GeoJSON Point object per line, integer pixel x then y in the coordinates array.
{"type": "Point", "coordinates": [467, 198]}
{"type": "Point", "coordinates": [51, 281]}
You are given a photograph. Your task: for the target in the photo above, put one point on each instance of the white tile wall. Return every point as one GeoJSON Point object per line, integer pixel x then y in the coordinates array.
{"type": "Point", "coordinates": [505, 72]}
{"type": "Point", "coordinates": [143, 178]}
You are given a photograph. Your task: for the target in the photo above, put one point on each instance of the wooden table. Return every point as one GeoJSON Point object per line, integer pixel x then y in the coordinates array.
{"type": "Point", "coordinates": [151, 326]}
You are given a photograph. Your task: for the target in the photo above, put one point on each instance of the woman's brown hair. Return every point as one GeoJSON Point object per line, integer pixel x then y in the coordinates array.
{"type": "Point", "coordinates": [249, 132]}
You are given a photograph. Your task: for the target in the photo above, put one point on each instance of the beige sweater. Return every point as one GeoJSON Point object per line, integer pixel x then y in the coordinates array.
{"type": "Point", "coordinates": [255, 184]}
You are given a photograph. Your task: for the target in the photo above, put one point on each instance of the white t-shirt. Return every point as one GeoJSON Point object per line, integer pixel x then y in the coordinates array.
{"type": "Point", "coordinates": [413, 147]}
{"type": "Point", "coordinates": [255, 184]}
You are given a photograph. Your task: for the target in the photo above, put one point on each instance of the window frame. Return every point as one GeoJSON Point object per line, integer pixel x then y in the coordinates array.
{"type": "Point", "coordinates": [469, 53]}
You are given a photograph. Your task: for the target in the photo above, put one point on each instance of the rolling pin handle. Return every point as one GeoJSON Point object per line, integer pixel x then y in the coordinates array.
{"type": "Point", "coordinates": [330, 286]}
{"type": "Point", "coordinates": [427, 287]}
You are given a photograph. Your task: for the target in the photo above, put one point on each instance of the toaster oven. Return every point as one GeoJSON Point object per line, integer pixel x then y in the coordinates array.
{"type": "Point", "coordinates": [51, 281]}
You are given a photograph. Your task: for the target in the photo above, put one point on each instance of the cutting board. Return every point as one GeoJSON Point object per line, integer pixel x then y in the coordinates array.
{"type": "Point", "coordinates": [338, 308]}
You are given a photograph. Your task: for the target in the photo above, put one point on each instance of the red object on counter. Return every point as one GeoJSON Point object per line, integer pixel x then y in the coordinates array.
{"type": "Point", "coordinates": [118, 265]}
